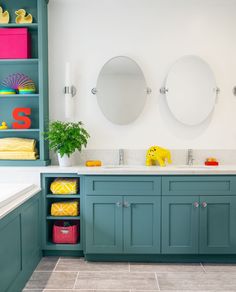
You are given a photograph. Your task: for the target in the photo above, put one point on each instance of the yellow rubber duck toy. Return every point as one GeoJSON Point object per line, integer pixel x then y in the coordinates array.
{"type": "Point", "coordinates": [4, 16]}
{"type": "Point", "coordinates": [3, 126]}
{"type": "Point", "coordinates": [22, 18]}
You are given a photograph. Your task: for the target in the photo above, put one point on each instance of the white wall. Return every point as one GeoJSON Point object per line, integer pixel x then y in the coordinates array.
{"type": "Point", "coordinates": [154, 33]}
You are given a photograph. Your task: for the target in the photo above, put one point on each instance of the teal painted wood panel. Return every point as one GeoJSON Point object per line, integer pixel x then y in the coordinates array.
{"type": "Point", "coordinates": [20, 252]}
{"type": "Point", "coordinates": [179, 225]}
{"type": "Point", "coordinates": [103, 217]}
{"type": "Point", "coordinates": [31, 231]}
{"type": "Point", "coordinates": [197, 185]}
{"type": "Point", "coordinates": [123, 185]}
{"type": "Point", "coordinates": [10, 251]}
{"type": "Point", "coordinates": [142, 230]}
{"type": "Point", "coordinates": [217, 225]}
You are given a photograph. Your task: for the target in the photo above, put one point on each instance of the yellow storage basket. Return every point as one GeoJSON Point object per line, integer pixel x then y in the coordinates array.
{"type": "Point", "coordinates": [65, 208]}
{"type": "Point", "coordinates": [64, 186]}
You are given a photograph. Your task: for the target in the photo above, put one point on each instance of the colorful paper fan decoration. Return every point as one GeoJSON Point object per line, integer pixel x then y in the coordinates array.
{"type": "Point", "coordinates": [19, 82]}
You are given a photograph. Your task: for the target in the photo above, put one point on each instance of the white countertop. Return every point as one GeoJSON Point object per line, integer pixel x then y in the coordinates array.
{"type": "Point", "coordinates": [157, 170]}
{"type": "Point", "coordinates": [129, 170]}
{"type": "Point", "coordinates": [13, 195]}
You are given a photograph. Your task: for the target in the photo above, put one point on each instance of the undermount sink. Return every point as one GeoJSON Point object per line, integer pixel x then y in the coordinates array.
{"type": "Point", "coordinates": [118, 166]}
{"type": "Point", "coordinates": [194, 166]}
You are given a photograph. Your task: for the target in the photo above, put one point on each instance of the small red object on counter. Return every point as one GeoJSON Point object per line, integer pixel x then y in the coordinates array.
{"type": "Point", "coordinates": [211, 163]}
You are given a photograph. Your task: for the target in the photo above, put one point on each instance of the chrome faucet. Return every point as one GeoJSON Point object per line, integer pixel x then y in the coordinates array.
{"type": "Point", "coordinates": [190, 158]}
{"type": "Point", "coordinates": [121, 156]}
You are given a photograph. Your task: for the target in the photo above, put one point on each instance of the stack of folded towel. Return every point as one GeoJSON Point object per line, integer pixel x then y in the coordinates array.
{"type": "Point", "coordinates": [18, 149]}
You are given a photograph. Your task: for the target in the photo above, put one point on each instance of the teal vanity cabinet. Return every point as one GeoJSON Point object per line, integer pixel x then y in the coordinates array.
{"type": "Point", "coordinates": [20, 245]}
{"type": "Point", "coordinates": [198, 214]}
{"type": "Point", "coordinates": [122, 214]}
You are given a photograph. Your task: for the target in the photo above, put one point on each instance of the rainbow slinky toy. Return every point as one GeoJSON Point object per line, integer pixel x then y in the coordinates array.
{"type": "Point", "coordinates": [17, 83]}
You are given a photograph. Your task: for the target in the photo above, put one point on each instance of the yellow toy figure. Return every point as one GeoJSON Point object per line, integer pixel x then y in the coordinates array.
{"type": "Point", "coordinates": [157, 154]}
{"type": "Point", "coordinates": [22, 18]}
{"type": "Point", "coordinates": [3, 126]}
{"type": "Point", "coordinates": [4, 16]}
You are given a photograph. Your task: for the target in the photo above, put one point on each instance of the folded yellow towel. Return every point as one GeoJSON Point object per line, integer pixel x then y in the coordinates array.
{"type": "Point", "coordinates": [64, 186]}
{"type": "Point", "coordinates": [18, 155]}
{"type": "Point", "coordinates": [17, 144]}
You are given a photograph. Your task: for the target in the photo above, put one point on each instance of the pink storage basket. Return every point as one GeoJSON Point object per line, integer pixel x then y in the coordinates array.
{"type": "Point", "coordinates": [63, 234]}
{"type": "Point", "coordinates": [15, 43]}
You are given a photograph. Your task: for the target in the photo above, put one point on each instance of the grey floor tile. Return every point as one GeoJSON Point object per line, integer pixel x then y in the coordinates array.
{"type": "Point", "coordinates": [165, 268]}
{"type": "Point", "coordinates": [58, 280]}
{"type": "Point", "coordinates": [113, 280]}
{"type": "Point", "coordinates": [78, 264]}
{"type": "Point", "coordinates": [197, 281]}
{"type": "Point", "coordinates": [220, 267]}
{"type": "Point", "coordinates": [30, 290]}
{"type": "Point", "coordinates": [145, 291]}
{"type": "Point", "coordinates": [79, 290]}
{"type": "Point", "coordinates": [47, 264]}
{"type": "Point", "coordinates": [108, 290]}
{"type": "Point", "coordinates": [67, 290]}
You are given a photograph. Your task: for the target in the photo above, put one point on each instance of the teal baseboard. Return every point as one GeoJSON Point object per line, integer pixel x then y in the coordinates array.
{"type": "Point", "coordinates": [161, 258]}
{"type": "Point", "coordinates": [63, 253]}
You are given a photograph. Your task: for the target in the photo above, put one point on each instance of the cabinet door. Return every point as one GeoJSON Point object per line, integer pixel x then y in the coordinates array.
{"type": "Point", "coordinates": [142, 216]}
{"type": "Point", "coordinates": [103, 217]}
{"type": "Point", "coordinates": [217, 224]}
{"type": "Point", "coordinates": [180, 216]}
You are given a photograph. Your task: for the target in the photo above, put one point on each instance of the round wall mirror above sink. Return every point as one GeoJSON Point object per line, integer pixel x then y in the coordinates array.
{"type": "Point", "coordinates": [190, 90]}
{"type": "Point", "coordinates": [121, 90]}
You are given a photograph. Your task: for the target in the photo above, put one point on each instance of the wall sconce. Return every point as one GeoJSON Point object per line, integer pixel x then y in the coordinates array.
{"type": "Point", "coordinates": [70, 92]}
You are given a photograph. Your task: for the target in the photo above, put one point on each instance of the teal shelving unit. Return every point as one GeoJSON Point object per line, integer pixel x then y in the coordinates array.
{"type": "Point", "coordinates": [37, 69]}
{"type": "Point", "coordinates": [50, 248]}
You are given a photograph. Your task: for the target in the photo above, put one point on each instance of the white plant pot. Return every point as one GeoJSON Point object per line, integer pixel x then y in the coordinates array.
{"type": "Point", "coordinates": [64, 161]}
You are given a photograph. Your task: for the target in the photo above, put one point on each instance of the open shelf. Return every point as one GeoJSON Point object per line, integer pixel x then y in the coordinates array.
{"type": "Point", "coordinates": [49, 221]}
{"type": "Point", "coordinates": [22, 162]}
{"type": "Point", "coordinates": [16, 25]}
{"type": "Point", "coordinates": [51, 196]}
{"type": "Point", "coordinates": [19, 130]}
{"type": "Point", "coordinates": [63, 217]}
{"type": "Point", "coordinates": [19, 96]}
{"type": "Point", "coordinates": [54, 246]}
{"type": "Point", "coordinates": [36, 68]}
{"type": "Point", "coordinates": [19, 61]}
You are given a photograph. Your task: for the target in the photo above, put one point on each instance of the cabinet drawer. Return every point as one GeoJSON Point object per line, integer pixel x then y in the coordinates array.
{"type": "Point", "coordinates": [123, 185]}
{"type": "Point", "coordinates": [199, 185]}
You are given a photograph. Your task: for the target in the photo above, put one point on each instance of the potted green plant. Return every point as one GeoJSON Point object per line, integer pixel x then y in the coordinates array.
{"type": "Point", "coordinates": [65, 138]}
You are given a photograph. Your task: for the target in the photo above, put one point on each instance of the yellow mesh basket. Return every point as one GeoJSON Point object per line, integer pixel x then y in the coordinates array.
{"type": "Point", "coordinates": [65, 208]}
{"type": "Point", "coordinates": [64, 186]}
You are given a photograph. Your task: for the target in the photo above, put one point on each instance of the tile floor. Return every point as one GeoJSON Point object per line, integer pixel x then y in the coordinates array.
{"type": "Point", "coordinates": [75, 274]}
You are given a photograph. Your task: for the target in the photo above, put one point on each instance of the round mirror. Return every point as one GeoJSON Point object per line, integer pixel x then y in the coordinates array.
{"type": "Point", "coordinates": [121, 90]}
{"type": "Point", "coordinates": [191, 90]}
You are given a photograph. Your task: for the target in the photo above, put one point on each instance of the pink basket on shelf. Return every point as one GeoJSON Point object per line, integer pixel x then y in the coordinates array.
{"type": "Point", "coordinates": [65, 234]}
